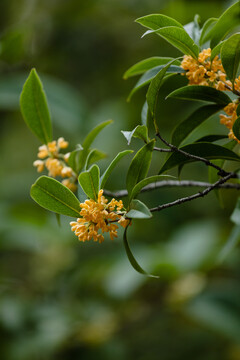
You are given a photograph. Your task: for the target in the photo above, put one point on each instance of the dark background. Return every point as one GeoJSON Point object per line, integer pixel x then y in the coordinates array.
{"type": "Point", "coordinates": [61, 299]}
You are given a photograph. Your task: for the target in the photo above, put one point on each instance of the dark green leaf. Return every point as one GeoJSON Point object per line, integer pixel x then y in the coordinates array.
{"type": "Point", "coordinates": [138, 187]}
{"type": "Point", "coordinates": [147, 64]}
{"type": "Point", "coordinates": [200, 93]}
{"type": "Point", "coordinates": [113, 164]}
{"type": "Point", "coordinates": [91, 136]}
{"type": "Point", "coordinates": [212, 138]}
{"type": "Point", "coordinates": [230, 55]}
{"type": "Point", "coordinates": [140, 131]}
{"type": "Point", "coordinates": [138, 210]}
{"type": "Point", "coordinates": [34, 108]}
{"type": "Point", "coordinates": [207, 26]}
{"type": "Point", "coordinates": [89, 181]}
{"type": "Point", "coordinates": [185, 128]}
{"type": "Point", "coordinates": [227, 21]}
{"type": "Point", "coordinates": [216, 51]}
{"type": "Point", "coordinates": [180, 39]}
{"type": "Point", "coordinates": [157, 21]}
{"type": "Point", "coordinates": [236, 128]}
{"type": "Point", "coordinates": [94, 156]}
{"type": "Point", "coordinates": [139, 166]}
{"type": "Point", "coordinates": [52, 195]}
{"type": "Point", "coordinates": [205, 150]}
{"type": "Point", "coordinates": [146, 117]}
{"type": "Point", "coordinates": [132, 259]}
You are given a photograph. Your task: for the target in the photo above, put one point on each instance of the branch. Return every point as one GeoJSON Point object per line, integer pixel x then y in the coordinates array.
{"type": "Point", "coordinates": [236, 92]}
{"type": "Point", "coordinates": [162, 150]}
{"type": "Point", "coordinates": [221, 172]}
{"type": "Point", "coordinates": [195, 196]}
{"type": "Point", "coordinates": [172, 183]}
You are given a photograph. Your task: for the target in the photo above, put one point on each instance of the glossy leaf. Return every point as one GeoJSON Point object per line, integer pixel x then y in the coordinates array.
{"type": "Point", "coordinates": [132, 259]}
{"type": "Point", "coordinates": [180, 39]}
{"type": "Point", "coordinates": [230, 55]}
{"type": "Point", "coordinates": [111, 167]}
{"type": "Point", "coordinates": [146, 116]}
{"type": "Point", "coordinates": [95, 131]}
{"type": "Point", "coordinates": [185, 128]}
{"type": "Point", "coordinates": [207, 26]}
{"type": "Point", "coordinates": [205, 150]}
{"type": "Point", "coordinates": [139, 186]}
{"type": "Point", "coordinates": [227, 21]}
{"type": "Point", "coordinates": [200, 93]}
{"type": "Point", "coordinates": [139, 166]}
{"type": "Point", "coordinates": [89, 181]}
{"type": "Point", "coordinates": [212, 138]}
{"type": "Point", "coordinates": [138, 210]}
{"type": "Point", "coordinates": [140, 131]}
{"type": "Point", "coordinates": [54, 196]}
{"type": "Point", "coordinates": [236, 128]}
{"type": "Point", "coordinates": [146, 78]}
{"type": "Point", "coordinates": [142, 66]}
{"type": "Point", "coordinates": [157, 21]}
{"type": "Point", "coordinates": [34, 108]}
{"type": "Point", "coordinates": [94, 156]}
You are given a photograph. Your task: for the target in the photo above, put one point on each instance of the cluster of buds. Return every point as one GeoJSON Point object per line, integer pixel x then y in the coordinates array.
{"type": "Point", "coordinates": [99, 215]}
{"type": "Point", "coordinates": [49, 157]}
{"type": "Point", "coordinates": [205, 72]}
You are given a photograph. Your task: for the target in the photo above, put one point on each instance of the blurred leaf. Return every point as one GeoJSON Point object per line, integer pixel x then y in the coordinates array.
{"type": "Point", "coordinates": [94, 156]}
{"type": "Point", "coordinates": [157, 21]}
{"type": "Point", "coordinates": [139, 166]}
{"type": "Point", "coordinates": [140, 131]}
{"type": "Point", "coordinates": [204, 149]}
{"type": "Point", "coordinates": [200, 93]}
{"type": "Point", "coordinates": [235, 217]}
{"type": "Point", "coordinates": [93, 133]}
{"type": "Point", "coordinates": [207, 26]}
{"type": "Point", "coordinates": [193, 29]}
{"type": "Point", "coordinates": [34, 108]}
{"type": "Point", "coordinates": [185, 128]}
{"type": "Point", "coordinates": [138, 210]}
{"type": "Point", "coordinates": [152, 179]}
{"type": "Point", "coordinates": [236, 128]}
{"type": "Point", "coordinates": [230, 55]}
{"type": "Point", "coordinates": [178, 38]}
{"type": "Point", "coordinates": [227, 21]}
{"type": "Point", "coordinates": [89, 181]}
{"type": "Point", "coordinates": [234, 237]}
{"type": "Point", "coordinates": [147, 64]}
{"type": "Point", "coordinates": [52, 195]}
{"type": "Point", "coordinates": [216, 50]}
{"type": "Point", "coordinates": [110, 168]}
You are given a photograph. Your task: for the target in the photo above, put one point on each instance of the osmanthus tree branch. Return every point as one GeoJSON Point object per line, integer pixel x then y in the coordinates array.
{"type": "Point", "coordinates": [172, 147]}
{"type": "Point", "coordinates": [194, 196]}
{"type": "Point", "coordinates": [172, 183]}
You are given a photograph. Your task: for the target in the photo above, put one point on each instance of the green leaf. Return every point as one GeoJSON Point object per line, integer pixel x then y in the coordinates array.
{"type": "Point", "coordinates": [152, 93]}
{"type": "Point", "coordinates": [132, 259]}
{"type": "Point", "coordinates": [236, 128]}
{"type": "Point", "coordinates": [94, 156]}
{"type": "Point", "coordinates": [147, 64]}
{"type": "Point", "coordinates": [95, 131]}
{"type": "Point", "coordinates": [110, 168]}
{"type": "Point", "coordinates": [212, 138]}
{"type": "Point", "coordinates": [185, 128]}
{"type": "Point", "coordinates": [140, 131]}
{"type": "Point", "coordinates": [234, 237]}
{"type": "Point", "coordinates": [207, 26]}
{"type": "Point", "coordinates": [238, 110]}
{"type": "Point", "coordinates": [146, 116]}
{"type": "Point", "coordinates": [157, 21]}
{"type": "Point", "coordinates": [230, 55]}
{"type": "Point", "coordinates": [180, 39]}
{"type": "Point", "coordinates": [200, 93]}
{"type": "Point", "coordinates": [138, 187]}
{"type": "Point", "coordinates": [193, 29]}
{"type": "Point", "coordinates": [138, 210]}
{"type": "Point", "coordinates": [235, 217]}
{"type": "Point", "coordinates": [54, 196]}
{"type": "Point", "coordinates": [226, 22]}
{"type": "Point", "coordinates": [89, 181]}
{"type": "Point", "coordinates": [149, 75]}
{"type": "Point", "coordinates": [216, 50]}
{"type": "Point", "coordinates": [139, 166]}
{"type": "Point", "coordinates": [204, 149]}
{"type": "Point", "coordinates": [34, 108]}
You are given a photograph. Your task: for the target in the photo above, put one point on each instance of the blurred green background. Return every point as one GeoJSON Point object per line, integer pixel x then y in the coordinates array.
{"type": "Point", "coordinates": [61, 299]}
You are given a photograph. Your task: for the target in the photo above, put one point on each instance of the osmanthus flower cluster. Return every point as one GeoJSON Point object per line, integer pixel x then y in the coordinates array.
{"type": "Point", "coordinates": [212, 74]}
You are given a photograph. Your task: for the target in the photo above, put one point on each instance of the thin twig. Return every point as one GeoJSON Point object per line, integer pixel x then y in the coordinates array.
{"type": "Point", "coordinates": [236, 92]}
{"type": "Point", "coordinates": [171, 183]}
{"type": "Point", "coordinates": [162, 150]}
{"type": "Point", "coordinates": [195, 196]}
{"type": "Point", "coordinates": [221, 172]}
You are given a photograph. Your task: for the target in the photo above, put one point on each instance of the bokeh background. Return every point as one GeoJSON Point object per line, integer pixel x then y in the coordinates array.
{"type": "Point", "coordinates": [61, 299]}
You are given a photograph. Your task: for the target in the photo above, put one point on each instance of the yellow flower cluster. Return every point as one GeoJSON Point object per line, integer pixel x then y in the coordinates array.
{"type": "Point", "coordinates": [203, 71]}
{"type": "Point", "coordinates": [49, 156]}
{"type": "Point", "coordinates": [99, 215]}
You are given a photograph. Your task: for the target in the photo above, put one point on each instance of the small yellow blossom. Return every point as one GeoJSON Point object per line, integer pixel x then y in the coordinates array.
{"type": "Point", "coordinates": [62, 144]}
{"type": "Point", "coordinates": [42, 151]}
{"type": "Point", "coordinates": [99, 215]}
{"type": "Point", "coordinates": [39, 165]}
{"type": "Point", "coordinates": [70, 184]}
{"type": "Point", "coordinates": [229, 119]}
{"type": "Point", "coordinates": [54, 167]}
{"type": "Point", "coordinates": [66, 171]}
